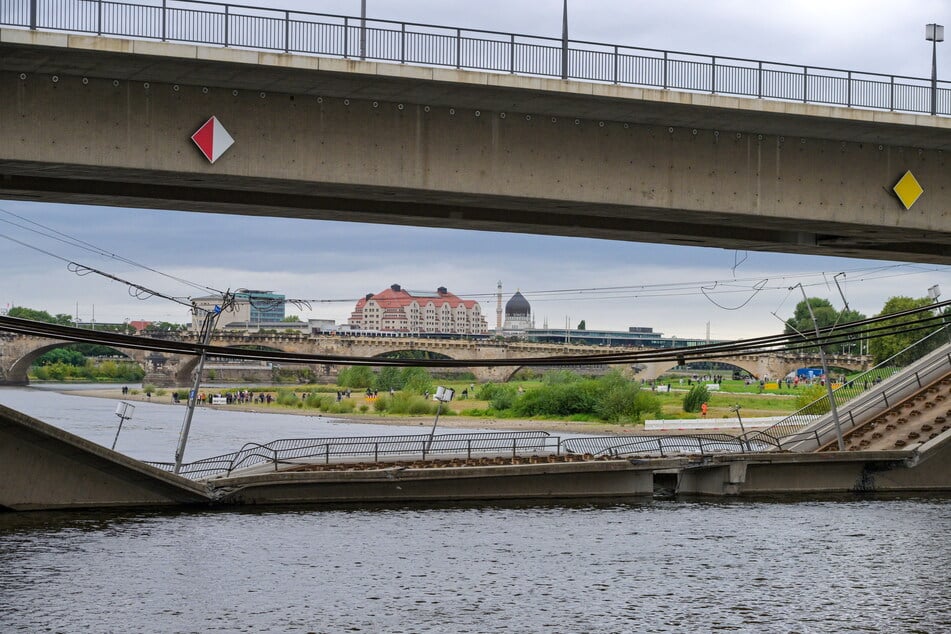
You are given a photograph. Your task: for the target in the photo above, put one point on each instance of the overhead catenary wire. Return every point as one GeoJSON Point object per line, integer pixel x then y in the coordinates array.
{"type": "Point", "coordinates": [772, 343]}
{"type": "Point", "coordinates": [73, 241]}
{"type": "Point", "coordinates": [705, 288]}
{"type": "Point", "coordinates": [136, 290]}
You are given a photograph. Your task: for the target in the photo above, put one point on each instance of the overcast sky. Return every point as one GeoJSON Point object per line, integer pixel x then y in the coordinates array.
{"type": "Point", "coordinates": [676, 290]}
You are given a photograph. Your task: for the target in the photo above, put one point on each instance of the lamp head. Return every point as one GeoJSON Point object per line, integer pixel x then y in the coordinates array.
{"type": "Point", "coordinates": [934, 32]}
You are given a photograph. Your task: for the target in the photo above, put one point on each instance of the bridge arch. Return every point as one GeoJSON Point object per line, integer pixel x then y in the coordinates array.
{"type": "Point", "coordinates": [183, 372]}
{"type": "Point", "coordinates": [401, 353]}
{"type": "Point", "coordinates": [18, 372]}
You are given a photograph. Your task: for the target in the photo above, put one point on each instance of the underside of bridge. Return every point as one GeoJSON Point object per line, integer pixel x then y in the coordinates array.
{"type": "Point", "coordinates": [107, 121]}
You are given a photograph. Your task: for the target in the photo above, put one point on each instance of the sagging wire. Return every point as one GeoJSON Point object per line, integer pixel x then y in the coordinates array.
{"type": "Point", "coordinates": [737, 264]}
{"type": "Point", "coordinates": [83, 270]}
{"type": "Point", "coordinates": [135, 290]}
{"type": "Point", "coordinates": [756, 288]}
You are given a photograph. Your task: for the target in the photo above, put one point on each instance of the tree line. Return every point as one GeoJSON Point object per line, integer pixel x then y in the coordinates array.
{"type": "Point", "coordinates": [880, 347]}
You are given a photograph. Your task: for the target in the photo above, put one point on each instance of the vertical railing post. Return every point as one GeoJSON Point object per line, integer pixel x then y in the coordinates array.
{"type": "Point", "coordinates": [402, 42]}
{"type": "Point", "coordinates": [849, 93]}
{"type": "Point", "coordinates": [346, 37]}
{"type": "Point", "coordinates": [468, 449]}
{"type": "Point", "coordinates": [512, 53]}
{"type": "Point", "coordinates": [514, 447]}
{"type": "Point", "coordinates": [759, 80]}
{"type": "Point", "coordinates": [327, 453]}
{"type": "Point", "coordinates": [665, 70]}
{"type": "Point", "coordinates": [713, 75]}
{"type": "Point", "coordinates": [458, 48]}
{"type": "Point", "coordinates": [287, 31]}
{"type": "Point", "coordinates": [226, 23]}
{"type": "Point", "coordinates": [164, 19]}
{"type": "Point", "coordinates": [616, 61]}
{"type": "Point", "coordinates": [891, 93]}
{"type": "Point", "coordinates": [33, 14]}
{"type": "Point", "coordinates": [805, 83]}
{"type": "Point", "coordinates": [99, 17]}
{"type": "Point", "coordinates": [376, 452]}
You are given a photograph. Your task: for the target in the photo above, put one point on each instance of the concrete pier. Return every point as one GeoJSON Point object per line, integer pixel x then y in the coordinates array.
{"type": "Point", "coordinates": [927, 469]}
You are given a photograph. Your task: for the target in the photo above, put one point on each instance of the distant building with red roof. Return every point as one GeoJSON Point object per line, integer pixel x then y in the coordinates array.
{"type": "Point", "coordinates": [398, 310]}
{"type": "Point", "coordinates": [140, 325]}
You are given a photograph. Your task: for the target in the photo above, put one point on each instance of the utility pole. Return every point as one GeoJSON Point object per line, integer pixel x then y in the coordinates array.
{"type": "Point", "coordinates": [207, 328]}
{"type": "Point", "coordinates": [825, 371]}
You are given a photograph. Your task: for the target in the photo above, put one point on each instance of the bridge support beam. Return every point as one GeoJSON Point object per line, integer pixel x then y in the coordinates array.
{"type": "Point", "coordinates": [42, 467]}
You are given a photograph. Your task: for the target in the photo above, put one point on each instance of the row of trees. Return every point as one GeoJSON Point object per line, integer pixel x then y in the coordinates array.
{"type": "Point", "coordinates": [410, 379]}
{"type": "Point", "coordinates": [62, 319]}
{"type": "Point", "coordinates": [90, 370]}
{"type": "Point", "coordinates": [858, 340]}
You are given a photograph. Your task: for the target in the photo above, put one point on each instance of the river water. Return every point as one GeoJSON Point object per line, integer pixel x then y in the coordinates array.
{"type": "Point", "coordinates": [832, 565]}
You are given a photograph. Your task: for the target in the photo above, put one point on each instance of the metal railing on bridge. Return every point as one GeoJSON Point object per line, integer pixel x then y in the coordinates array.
{"type": "Point", "coordinates": [795, 428]}
{"type": "Point", "coordinates": [234, 25]}
{"type": "Point", "coordinates": [410, 447]}
{"type": "Point", "coordinates": [310, 451]}
{"type": "Point", "coordinates": [664, 446]}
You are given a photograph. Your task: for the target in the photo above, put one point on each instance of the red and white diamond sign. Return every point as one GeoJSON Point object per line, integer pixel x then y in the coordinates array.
{"type": "Point", "coordinates": [212, 139]}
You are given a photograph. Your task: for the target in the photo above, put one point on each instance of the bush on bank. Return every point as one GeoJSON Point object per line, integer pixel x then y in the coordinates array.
{"type": "Point", "coordinates": [610, 398]}
{"type": "Point", "coordinates": [696, 397]}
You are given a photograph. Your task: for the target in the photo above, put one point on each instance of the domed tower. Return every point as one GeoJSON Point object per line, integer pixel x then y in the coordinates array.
{"type": "Point", "coordinates": [518, 314]}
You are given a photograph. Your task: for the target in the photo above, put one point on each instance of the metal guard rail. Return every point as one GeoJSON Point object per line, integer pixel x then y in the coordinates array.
{"type": "Point", "coordinates": [702, 444]}
{"type": "Point", "coordinates": [234, 25]}
{"type": "Point", "coordinates": [421, 446]}
{"type": "Point", "coordinates": [866, 409]}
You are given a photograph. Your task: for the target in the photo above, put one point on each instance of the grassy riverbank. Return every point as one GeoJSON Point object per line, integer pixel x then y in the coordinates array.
{"type": "Point", "coordinates": [467, 411]}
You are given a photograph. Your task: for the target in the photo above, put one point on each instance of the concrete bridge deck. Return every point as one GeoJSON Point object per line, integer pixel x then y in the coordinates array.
{"type": "Point", "coordinates": [342, 139]}
{"type": "Point", "coordinates": [42, 467]}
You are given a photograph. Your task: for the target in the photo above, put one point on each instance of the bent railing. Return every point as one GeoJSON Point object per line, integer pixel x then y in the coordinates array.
{"type": "Point", "coordinates": [663, 446]}
{"type": "Point", "coordinates": [411, 447]}
{"type": "Point", "coordinates": [289, 31]}
{"type": "Point", "coordinates": [861, 398]}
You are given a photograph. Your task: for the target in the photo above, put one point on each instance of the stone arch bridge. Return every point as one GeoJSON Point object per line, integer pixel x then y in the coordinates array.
{"type": "Point", "coordinates": [18, 352]}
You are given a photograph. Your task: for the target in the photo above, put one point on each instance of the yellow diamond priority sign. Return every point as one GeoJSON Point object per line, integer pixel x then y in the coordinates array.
{"type": "Point", "coordinates": [907, 189]}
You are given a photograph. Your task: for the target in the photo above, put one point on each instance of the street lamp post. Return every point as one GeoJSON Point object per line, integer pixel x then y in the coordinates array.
{"type": "Point", "coordinates": [739, 419]}
{"type": "Point", "coordinates": [363, 29]}
{"type": "Point", "coordinates": [564, 40]}
{"type": "Point", "coordinates": [934, 33]}
{"type": "Point", "coordinates": [443, 395]}
{"type": "Point", "coordinates": [124, 411]}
